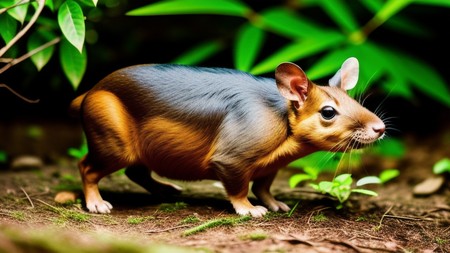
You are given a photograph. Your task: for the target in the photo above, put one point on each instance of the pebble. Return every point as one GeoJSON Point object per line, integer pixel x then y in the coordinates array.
{"type": "Point", "coordinates": [429, 186]}
{"type": "Point", "coordinates": [65, 197]}
{"type": "Point", "coordinates": [27, 161]}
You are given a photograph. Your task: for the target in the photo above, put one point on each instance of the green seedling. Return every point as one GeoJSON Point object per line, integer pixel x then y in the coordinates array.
{"type": "Point", "coordinates": [79, 152]}
{"type": "Point", "coordinates": [341, 187]}
{"type": "Point", "coordinates": [442, 166]}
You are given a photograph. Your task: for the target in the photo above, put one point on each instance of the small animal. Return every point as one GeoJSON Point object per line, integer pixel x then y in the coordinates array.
{"type": "Point", "coordinates": [194, 123]}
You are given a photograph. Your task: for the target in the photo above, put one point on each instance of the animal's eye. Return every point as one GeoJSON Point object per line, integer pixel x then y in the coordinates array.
{"type": "Point", "coordinates": [328, 112]}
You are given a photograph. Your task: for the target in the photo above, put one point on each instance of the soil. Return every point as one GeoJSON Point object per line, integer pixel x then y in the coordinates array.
{"type": "Point", "coordinates": [395, 221]}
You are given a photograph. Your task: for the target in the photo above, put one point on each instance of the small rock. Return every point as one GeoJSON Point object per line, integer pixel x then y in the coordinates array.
{"type": "Point", "coordinates": [26, 162]}
{"type": "Point", "coordinates": [429, 186]}
{"type": "Point", "coordinates": [65, 197]}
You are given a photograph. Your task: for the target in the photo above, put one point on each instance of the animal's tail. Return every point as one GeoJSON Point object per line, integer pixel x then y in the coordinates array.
{"type": "Point", "coordinates": [75, 105]}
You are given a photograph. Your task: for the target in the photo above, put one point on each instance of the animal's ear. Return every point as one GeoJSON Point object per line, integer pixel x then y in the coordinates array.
{"type": "Point", "coordinates": [346, 77]}
{"type": "Point", "coordinates": [292, 83]}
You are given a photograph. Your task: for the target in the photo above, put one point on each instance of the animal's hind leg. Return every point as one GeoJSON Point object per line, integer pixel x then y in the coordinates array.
{"type": "Point", "coordinates": [141, 175]}
{"type": "Point", "coordinates": [90, 177]}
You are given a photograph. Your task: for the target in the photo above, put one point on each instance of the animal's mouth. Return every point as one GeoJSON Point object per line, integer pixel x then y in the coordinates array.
{"type": "Point", "coordinates": [361, 141]}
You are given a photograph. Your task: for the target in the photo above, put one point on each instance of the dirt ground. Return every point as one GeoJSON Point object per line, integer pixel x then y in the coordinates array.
{"type": "Point", "coordinates": [395, 221]}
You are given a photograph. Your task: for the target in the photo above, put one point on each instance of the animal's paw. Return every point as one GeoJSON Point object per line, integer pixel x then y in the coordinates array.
{"type": "Point", "coordinates": [276, 206]}
{"type": "Point", "coordinates": [254, 211]}
{"type": "Point", "coordinates": [99, 206]}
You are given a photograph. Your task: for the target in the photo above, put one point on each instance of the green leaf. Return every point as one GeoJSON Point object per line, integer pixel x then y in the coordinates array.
{"type": "Point", "coordinates": [366, 192]}
{"type": "Point", "coordinates": [9, 28]}
{"type": "Point", "coordinates": [344, 179]}
{"type": "Point", "coordinates": [287, 23]}
{"type": "Point", "coordinates": [297, 178]}
{"type": "Point", "coordinates": [428, 81]}
{"type": "Point", "coordinates": [71, 22]}
{"type": "Point", "coordinates": [248, 44]}
{"type": "Point", "coordinates": [368, 180]}
{"type": "Point", "coordinates": [341, 14]}
{"type": "Point", "coordinates": [387, 175]}
{"type": "Point", "coordinates": [37, 39]}
{"type": "Point", "coordinates": [73, 62]}
{"type": "Point", "coordinates": [319, 161]}
{"type": "Point", "coordinates": [390, 147]}
{"type": "Point", "coordinates": [390, 8]}
{"type": "Point", "coordinates": [199, 53]}
{"type": "Point", "coordinates": [442, 166]}
{"type": "Point", "coordinates": [18, 12]}
{"type": "Point", "coordinates": [176, 7]}
{"type": "Point", "coordinates": [298, 50]}
{"type": "Point", "coordinates": [50, 4]}
{"type": "Point", "coordinates": [325, 186]}
{"type": "Point", "coordinates": [443, 3]}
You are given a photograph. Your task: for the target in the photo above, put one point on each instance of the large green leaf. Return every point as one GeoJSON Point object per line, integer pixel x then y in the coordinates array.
{"type": "Point", "coordinates": [199, 53]}
{"type": "Point", "coordinates": [37, 39]}
{"type": "Point", "coordinates": [174, 7]}
{"type": "Point", "coordinates": [9, 28]}
{"type": "Point", "coordinates": [248, 44]}
{"type": "Point", "coordinates": [288, 23]}
{"type": "Point", "coordinates": [73, 62]}
{"type": "Point", "coordinates": [71, 22]}
{"type": "Point", "coordinates": [298, 50]}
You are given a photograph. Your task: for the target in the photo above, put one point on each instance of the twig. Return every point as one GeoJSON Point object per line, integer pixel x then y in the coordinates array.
{"type": "Point", "coordinates": [408, 218]}
{"type": "Point", "coordinates": [28, 197]}
{"type": "Point", "coordinates": [3, 10]}
{"type": "Point", "coordinates": [13, 62]}
{"type": "Point", "coordinates": [384, 215]}
{"type": "Point", "coordinates": [41, 4]}
{"type": "Point", "coordinates": [166, 229]}
{"type": "Point", "coordinates": [2, 85]}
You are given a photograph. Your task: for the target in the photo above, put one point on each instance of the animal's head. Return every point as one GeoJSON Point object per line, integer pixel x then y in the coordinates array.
{"type": "Point", "coordinates": [326, 116]}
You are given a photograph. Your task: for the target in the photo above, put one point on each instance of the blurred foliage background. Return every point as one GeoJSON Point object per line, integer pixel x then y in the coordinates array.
{"type": "Point", "coordinates": [402, 47]}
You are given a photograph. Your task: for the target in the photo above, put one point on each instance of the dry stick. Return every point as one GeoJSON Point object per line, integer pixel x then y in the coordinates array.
{"type": "Point", "coordinates": [2, 85]}
{"type": "Point", "coordinates": [41, 4]}
{"type": "Point", "coordinates": [28, 197]}
{"type": "Point", "coordinates": [165, 229]}
{"type": "Point", "coordinates": [384, 215]}
{"type": "Point", "coordinates": [13, 62]}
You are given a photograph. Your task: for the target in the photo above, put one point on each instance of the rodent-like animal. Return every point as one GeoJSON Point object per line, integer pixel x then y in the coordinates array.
{"type": "Point", "coordinates": [194, 123]}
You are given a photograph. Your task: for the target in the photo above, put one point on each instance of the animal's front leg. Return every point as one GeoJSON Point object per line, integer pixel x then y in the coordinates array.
{"type": "Point", "coordinates": [261, 189]}
{"type": "Point", "coordinates": [236, 183]}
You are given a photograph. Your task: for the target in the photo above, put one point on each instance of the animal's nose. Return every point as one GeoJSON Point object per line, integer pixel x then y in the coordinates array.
{"type": "Point", "coordinates": [379, 128]}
